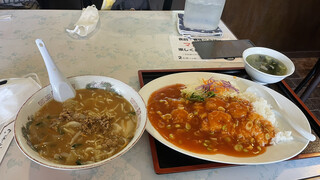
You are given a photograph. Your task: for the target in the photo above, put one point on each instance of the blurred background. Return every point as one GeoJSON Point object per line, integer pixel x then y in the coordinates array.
{"type": "Point", "coordinates": [289, 26]}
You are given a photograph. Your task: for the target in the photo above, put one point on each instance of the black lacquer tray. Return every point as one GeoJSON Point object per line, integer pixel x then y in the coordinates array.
{"type": "Point", "coordinates": [167, 160]}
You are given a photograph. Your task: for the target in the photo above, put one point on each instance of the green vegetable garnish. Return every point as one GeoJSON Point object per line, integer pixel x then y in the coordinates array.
{"type": "Point", "coordinates": [61, 131]}
{"type": "Point", "coordinates": [78, 162]}
{"type": "Point", "coordinates": [194, 97]}
{"type": "Point", "coordinates": [210, 94]}
{"type": "Point", "coordinates": [39, 123]}
{"type": "Point", "coordinates": [132, 113]}
{"type": "Point", "coordinates": [75, 146]}
{"type": "Point", "coordinates": [200, 97]}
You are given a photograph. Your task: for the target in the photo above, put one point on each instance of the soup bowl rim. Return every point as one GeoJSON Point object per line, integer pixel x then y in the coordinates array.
{"type": "Point", "coordinates": [269, 52]}
{"type": "Point", "coordinates": [50, 164]}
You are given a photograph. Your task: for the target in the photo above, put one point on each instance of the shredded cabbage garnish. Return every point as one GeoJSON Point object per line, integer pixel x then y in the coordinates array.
{"type": "Point", "coordinates": [207, 89]}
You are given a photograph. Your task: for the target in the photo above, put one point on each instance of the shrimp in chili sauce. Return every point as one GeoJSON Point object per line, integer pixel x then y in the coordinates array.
{"type": "Point", "coordinates": [219, 124]}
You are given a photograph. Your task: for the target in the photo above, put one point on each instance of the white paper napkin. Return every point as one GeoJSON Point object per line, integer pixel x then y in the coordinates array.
{"type": "Point", "coordinates": [87, 22]}
{"type": "Point", "coordinates": [13, 94]}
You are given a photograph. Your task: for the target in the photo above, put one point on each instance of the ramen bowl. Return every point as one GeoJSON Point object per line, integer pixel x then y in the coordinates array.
{"type": "Point", "coordinates": [44, 95]}
{"type": "Point", "coordinates": [262, 77]}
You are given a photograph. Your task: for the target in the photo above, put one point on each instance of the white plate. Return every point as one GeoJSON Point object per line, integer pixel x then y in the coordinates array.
{"type": "Point", "coordinates": [273, 154]}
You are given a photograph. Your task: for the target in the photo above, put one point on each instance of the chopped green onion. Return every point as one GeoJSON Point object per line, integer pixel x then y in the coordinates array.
{"type": "Point", "coordinates": [227, 139]}
{"type": "Point", "coordinates": [224, 127]}
{"type": "Point", "coordinates": [249, 125]}
{"type": "Point", "coordinates": [194, 97]}
{"type": "Point", "coordinates": [259, 148]}
{"type": "Point", "coordinates": [188, 126]}
{"type": "Point", "coordinates": [220, 108]}
{"type": "Point", "coordinates": [210, 94]}
{"type": "Point", "coordinates": [78, 162]}
{"type": "Point", "coordinates": [75, 146]}
{"type": "Point", "coordinates": [39, 123]}
{"type": "Point", "coordinates": [238, 147]}
{"type": "Point", "coordinates": [267, 136]}
{"type": "Point", "coordinates": [61, 131]}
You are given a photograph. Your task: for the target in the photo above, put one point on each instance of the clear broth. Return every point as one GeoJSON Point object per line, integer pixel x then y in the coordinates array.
{"type": "Point", "coordinates": [267, 64]}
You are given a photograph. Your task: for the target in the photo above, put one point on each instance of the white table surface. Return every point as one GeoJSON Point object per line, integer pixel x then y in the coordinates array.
{"type": "Point", "coordinates": [124, 42]}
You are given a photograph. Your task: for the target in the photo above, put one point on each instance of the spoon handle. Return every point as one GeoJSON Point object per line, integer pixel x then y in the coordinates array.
{"type": "Point", "coordinates": [284, 115]}
{"type": "Point", "coordinates": [61, 88]}
{"type": "Point", "coordinates": [53, 71]}
{"type": "Point", "coordinates": [280, 111]}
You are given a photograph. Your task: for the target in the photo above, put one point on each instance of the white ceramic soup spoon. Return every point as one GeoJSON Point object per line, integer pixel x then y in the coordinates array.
{"type": "Point", "coordinates": [61, 88]}
{"type": "Point", "coordinates": [280, 111]}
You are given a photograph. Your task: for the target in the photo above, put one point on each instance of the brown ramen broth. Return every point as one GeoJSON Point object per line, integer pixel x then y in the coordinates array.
{"type": "Point", "coordinates": [91, 127]}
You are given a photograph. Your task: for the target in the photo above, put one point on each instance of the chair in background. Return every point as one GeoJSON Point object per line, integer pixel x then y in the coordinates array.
{"type": "Point", "coordinates": [61, 4]}
{"type": "Point", "coordinates": [121, 4]}
{"type": "Point", "coordinates": [314, 76]}
{"type": "Point", "coordinates": [167, 4]}
{"type": "Point", "coordinates": [19, 4]}
{"type": "Point", "coordinates": [76, 4]}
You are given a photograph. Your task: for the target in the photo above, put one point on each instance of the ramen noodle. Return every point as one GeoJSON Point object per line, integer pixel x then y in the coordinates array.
{"type": "Point", "coordinates": [91, 127]}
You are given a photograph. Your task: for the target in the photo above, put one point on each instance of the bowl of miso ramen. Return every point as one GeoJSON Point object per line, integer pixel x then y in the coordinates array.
{"type": "Point", "coordinates": [102, 122]}
{"type": "Point", "coordinates": [266, 65]}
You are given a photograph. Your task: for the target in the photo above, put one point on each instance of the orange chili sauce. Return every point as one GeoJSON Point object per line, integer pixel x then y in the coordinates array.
{"type": "Point", "coordinates": [190, 126]}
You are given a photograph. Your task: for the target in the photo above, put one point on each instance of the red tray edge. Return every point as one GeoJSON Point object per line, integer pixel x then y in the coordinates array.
{"type": "Point", "coordinates": [159, 170]}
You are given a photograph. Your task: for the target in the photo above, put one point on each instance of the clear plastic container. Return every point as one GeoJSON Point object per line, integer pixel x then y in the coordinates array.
{"type": "Point", "coordinates": [203, 14]}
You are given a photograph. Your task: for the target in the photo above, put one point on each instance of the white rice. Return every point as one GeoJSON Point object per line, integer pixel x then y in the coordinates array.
{"type": "Point", "coordinates": [284, 136]}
